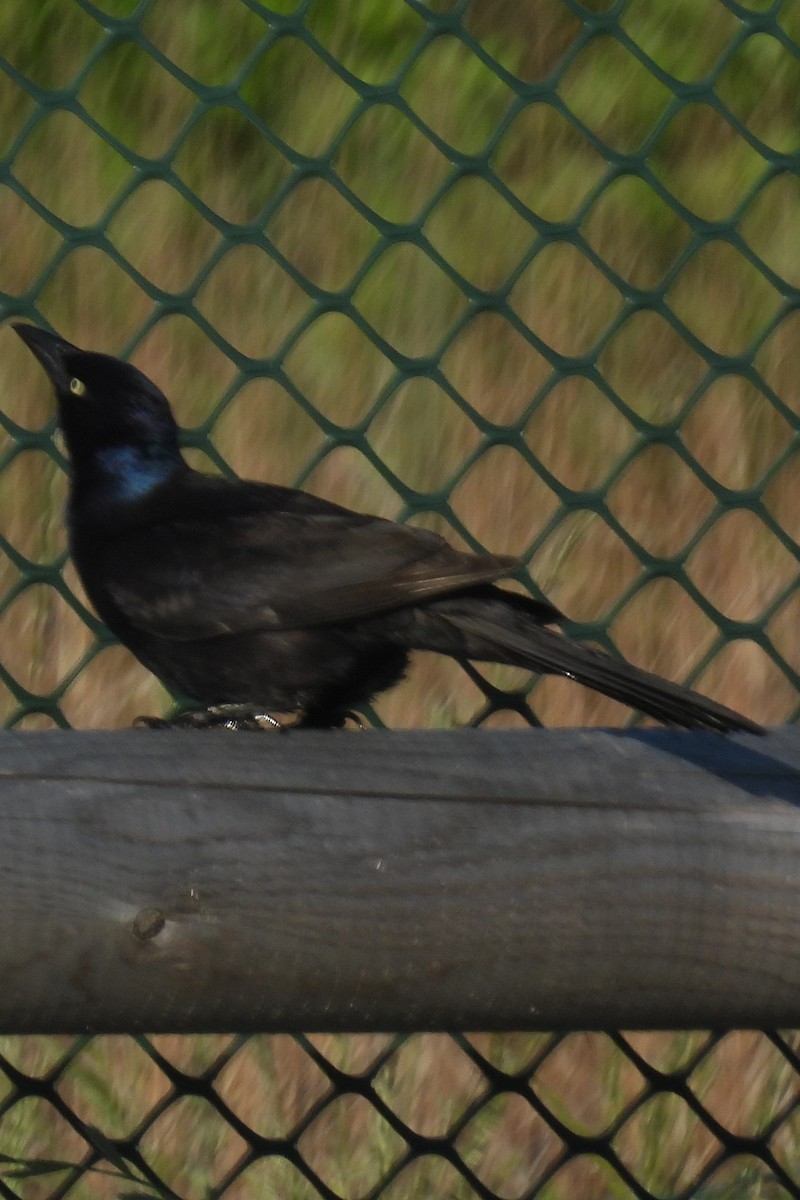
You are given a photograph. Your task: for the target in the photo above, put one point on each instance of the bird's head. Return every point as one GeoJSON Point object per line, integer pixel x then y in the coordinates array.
{"type": "Point", "coordinates": [114, 419]}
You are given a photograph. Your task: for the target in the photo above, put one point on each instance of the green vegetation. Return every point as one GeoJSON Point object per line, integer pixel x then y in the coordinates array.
{"type": "Point", "coordinates": [398, 297]}
{"type": "Point", "coordinates": [520, 273]}
{"type": "Point", "coordinates": [504, 1134]}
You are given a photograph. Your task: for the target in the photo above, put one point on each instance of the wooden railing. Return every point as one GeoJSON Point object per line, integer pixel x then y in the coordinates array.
{"type": "Point", "coordinates": [552, 880]}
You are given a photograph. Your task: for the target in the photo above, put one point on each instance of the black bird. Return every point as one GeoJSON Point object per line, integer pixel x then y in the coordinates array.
{"type": "Point", "coordinates": [248, 594]}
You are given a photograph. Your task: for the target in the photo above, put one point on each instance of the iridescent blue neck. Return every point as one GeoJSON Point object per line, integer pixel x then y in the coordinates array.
{"type": "Point", "coordinates": [128, 473]}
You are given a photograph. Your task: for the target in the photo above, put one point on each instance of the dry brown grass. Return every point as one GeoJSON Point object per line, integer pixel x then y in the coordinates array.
{"type": "Point", "coordinates": [564, 436]}
{"type": "Point", "coordinates": [630, 447]}
{"type": "Point", "coordinates": [585, 1082]}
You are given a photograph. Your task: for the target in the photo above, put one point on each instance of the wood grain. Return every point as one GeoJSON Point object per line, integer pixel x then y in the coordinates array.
{"type": "Point", "coordinates": [550, 879]}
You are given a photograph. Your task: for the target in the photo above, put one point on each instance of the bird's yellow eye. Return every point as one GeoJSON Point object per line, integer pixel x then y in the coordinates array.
{"type": "Point", "coordinates": [77, 387]}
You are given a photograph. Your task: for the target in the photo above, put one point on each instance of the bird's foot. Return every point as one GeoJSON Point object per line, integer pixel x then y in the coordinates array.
{"type": "Point", "coordinates": [216, 716]}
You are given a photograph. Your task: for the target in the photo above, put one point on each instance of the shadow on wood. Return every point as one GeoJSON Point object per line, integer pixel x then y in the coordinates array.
{"type": "Point", "coordinates": [566, 879]}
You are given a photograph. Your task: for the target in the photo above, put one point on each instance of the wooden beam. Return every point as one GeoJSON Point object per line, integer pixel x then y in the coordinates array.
{"type": "Point", "coordinates": [549, 879]}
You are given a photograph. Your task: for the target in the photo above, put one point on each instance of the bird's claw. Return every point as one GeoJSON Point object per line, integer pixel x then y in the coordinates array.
{"type": "Point", "coordinates": [216, 716]}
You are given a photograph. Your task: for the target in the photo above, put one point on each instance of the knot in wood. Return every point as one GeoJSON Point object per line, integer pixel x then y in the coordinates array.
{"type": "Point", "coordinates": [148, 923]}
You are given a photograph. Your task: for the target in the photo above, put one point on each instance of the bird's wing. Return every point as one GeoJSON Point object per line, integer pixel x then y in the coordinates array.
{"type": "Point", "coordinates": [191, 579]}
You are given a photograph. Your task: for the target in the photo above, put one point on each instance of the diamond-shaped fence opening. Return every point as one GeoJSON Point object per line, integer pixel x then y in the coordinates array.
{"type": "Point", "coordinates": [525, 274]}
{"type": "Point", "coordinates": [667, 1115]}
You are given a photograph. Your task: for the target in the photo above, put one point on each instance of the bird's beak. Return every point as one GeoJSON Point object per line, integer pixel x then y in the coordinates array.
{"type": "Point", "coordinates": [48, 348]}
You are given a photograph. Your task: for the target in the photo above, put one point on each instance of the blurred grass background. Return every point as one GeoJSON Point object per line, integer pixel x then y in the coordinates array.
{"type": "Point", "coordinates": [186, 1101]}
{"type": "Point", "coordinates": [523, 273]}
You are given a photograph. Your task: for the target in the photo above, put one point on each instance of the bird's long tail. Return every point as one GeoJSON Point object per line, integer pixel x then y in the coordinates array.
{"type": "Point", "coordinates": [501, 627]}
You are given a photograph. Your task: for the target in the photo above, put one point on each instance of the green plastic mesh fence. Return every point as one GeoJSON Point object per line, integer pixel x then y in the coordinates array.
{"type": "Point", "coordinates": [483, 1117]}
{"type": "Point", "coordinates": [523, 273]}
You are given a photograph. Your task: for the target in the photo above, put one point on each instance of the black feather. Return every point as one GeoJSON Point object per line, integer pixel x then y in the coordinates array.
{"type": "Point", "coordinates": [244, 593]}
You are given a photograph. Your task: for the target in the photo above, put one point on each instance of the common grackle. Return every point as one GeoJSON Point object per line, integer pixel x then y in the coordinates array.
{"type": "Point", "coordinates": [252, 595]}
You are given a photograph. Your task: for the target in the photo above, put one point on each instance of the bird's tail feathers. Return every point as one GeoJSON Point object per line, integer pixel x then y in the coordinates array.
{"type": "Point", "coordinates": [544, 650]}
